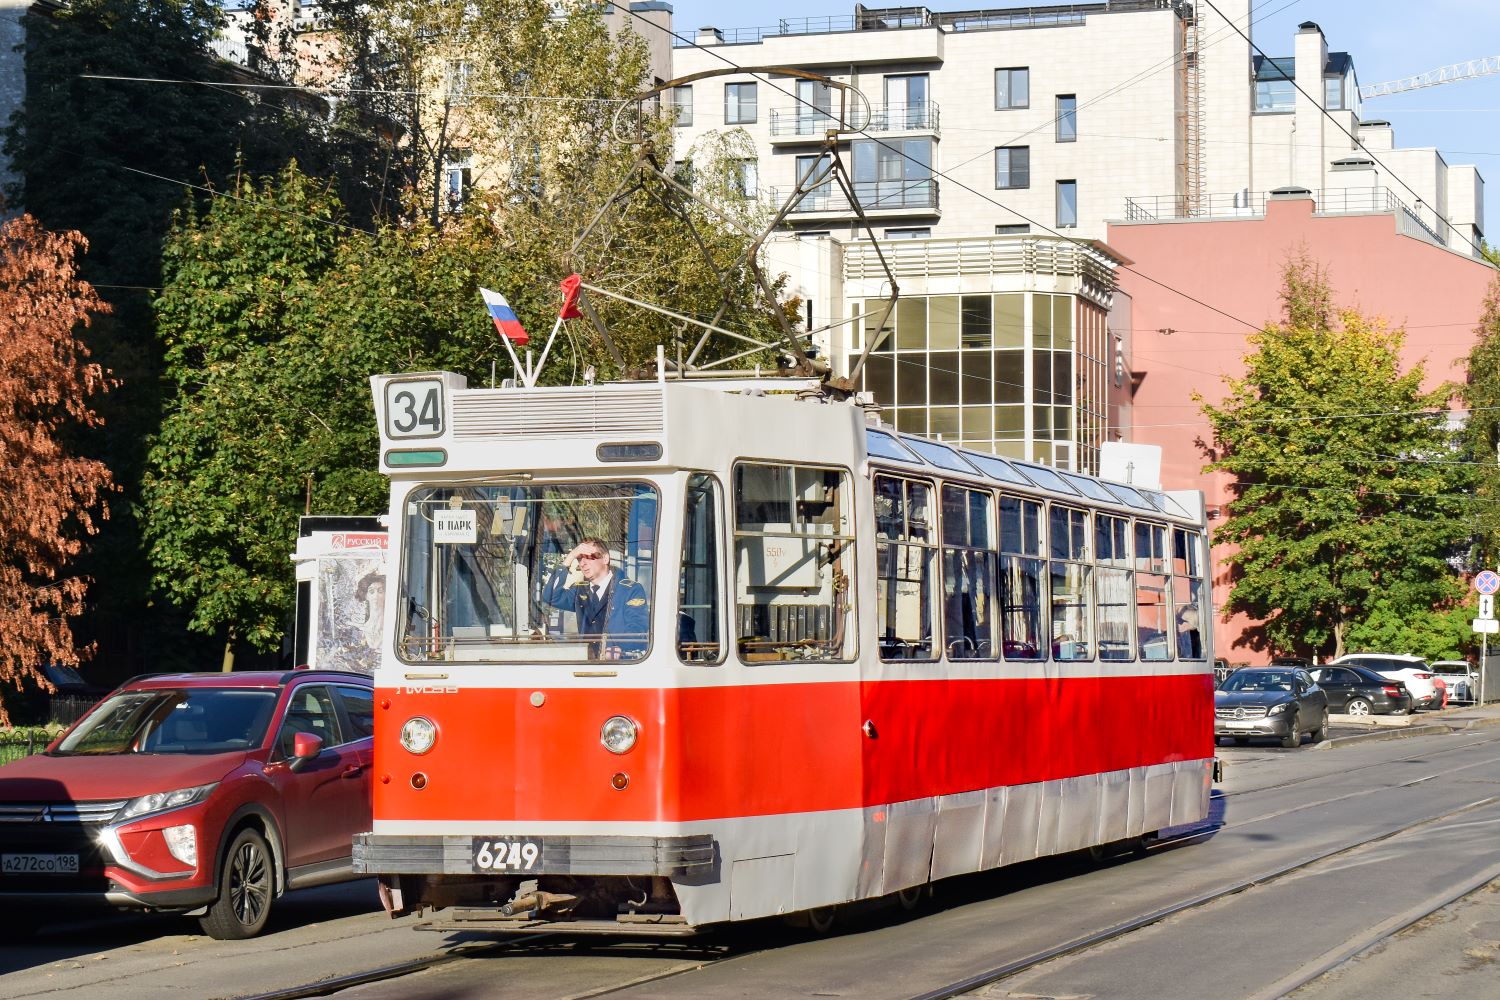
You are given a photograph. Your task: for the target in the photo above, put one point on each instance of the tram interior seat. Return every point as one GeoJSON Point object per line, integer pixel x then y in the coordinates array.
{"type": "Point", "coordinates": [764, 627]}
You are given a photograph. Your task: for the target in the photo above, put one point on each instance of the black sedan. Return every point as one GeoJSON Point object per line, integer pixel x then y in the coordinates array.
{"type": "Point", "coordinates": [1283, 702]}
{"type": "Point", "coordinates": [1361, 691]}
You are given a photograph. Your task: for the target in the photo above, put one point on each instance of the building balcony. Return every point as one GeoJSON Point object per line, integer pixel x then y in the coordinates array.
{"type": "Point", "coordinates": [879, 199]}
{"type": "Point", "coordinates": [802, 124]}
{"type": "Point", "coordinates": [1252, 205]}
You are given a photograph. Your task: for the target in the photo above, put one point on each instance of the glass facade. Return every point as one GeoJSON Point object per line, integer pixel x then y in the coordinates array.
{"type": "Point", "coordinates": [1019, 374]}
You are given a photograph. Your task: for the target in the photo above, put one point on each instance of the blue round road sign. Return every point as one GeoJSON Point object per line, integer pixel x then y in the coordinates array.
{"type": "Point", "coordinates": [1487, 581]}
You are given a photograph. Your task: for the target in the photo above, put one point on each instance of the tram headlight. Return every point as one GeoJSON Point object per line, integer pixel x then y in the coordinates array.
{"type": "Point", "coordinates": [618, 734]}
{"type": "Point", "coordinates": [418, 735]}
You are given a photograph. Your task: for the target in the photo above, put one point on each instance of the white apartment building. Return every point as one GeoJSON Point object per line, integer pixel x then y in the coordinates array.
{"type": "Point", "coordinates": [996, 146]}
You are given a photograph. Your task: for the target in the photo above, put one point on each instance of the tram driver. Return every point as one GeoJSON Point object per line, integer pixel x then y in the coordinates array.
{"type": "Point", "coordinates": [612, 609]}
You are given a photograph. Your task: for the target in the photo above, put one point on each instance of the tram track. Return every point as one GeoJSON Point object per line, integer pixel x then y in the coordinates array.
{"type": "Point", "coordinates": [1093, 940]}
{"type": "Point", "coordinates": [480, 950]}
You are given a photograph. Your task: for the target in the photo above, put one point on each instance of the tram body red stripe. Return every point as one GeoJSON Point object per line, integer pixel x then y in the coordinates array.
{"type": "Point", "coordinates": [713, 752]}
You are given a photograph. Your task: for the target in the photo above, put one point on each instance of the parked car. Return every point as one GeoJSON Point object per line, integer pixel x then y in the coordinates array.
{"type": "Point", "coordinates": [208, 794]}
{"type": "Point", "coordinates": [1270, 701]}
{"type": "Point", "coordinates": [1360, 691]}
{"type": "Point", "coordinates": [1461, 678]}
{"type": "Point", "coordinates": [1412, 671]}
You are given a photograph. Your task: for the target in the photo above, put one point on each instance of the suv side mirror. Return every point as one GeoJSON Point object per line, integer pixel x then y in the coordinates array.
{"type": "Point", "coordinates": [305, 747]}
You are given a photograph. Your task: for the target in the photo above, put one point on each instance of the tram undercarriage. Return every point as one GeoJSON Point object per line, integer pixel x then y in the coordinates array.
{"type": "Point", "coordinates": [595, 904]}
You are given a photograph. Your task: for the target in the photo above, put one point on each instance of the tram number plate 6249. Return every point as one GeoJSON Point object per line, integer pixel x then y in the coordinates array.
{"type": "Point", "coordinates": [505, 855]}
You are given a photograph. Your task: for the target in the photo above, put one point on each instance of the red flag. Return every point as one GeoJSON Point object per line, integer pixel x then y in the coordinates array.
{"type": "Point", "coordinates": [572, 287]}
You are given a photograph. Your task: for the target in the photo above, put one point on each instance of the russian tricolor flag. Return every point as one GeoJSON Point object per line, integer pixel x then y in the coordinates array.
{"type": "Point", "coordinates": [504, 317]}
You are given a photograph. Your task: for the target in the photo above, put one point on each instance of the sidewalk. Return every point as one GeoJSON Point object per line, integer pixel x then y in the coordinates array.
{"type": "Point", "coordinates": [1395, 727]}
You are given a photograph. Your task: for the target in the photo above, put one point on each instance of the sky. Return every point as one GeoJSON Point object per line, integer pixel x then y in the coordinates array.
{"type": "Point", "coordinates": [1389, 40]}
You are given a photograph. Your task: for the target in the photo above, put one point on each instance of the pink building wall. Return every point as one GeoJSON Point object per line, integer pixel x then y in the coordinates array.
{"type": "Point", "coordinates": [1235, 265]}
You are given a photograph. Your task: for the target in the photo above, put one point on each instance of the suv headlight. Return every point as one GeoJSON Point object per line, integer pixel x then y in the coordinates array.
{"type": "Point", "coordinates": [1278, 709]}
{"type": "Point", "coordinates": [157, 802]}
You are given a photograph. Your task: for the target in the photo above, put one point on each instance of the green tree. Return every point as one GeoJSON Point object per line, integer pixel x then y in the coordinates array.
{"type": "Point", "coordinates": [50, 498]}
{"type": "Point", "coordinates": [1481, 435]}
{"type": "Point", "coordinates": [124, 105]}
{"type": "Point", "coordinates": [1344, 490]}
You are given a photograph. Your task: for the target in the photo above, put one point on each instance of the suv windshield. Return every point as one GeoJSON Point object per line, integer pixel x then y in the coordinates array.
{"type": "Point", "coordinates": [174, 721]}
{"type": "Point", "coordinates": [1259, 680]}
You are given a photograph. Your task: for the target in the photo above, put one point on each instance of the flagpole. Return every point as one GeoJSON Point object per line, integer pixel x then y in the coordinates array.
{"type": "Point", "coordinates": [515, 361]}
{"type": "Point", "coordinates": [557, 325]}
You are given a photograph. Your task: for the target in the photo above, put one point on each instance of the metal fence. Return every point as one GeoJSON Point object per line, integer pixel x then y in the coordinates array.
{"type": "Point", "coordinates": [19, 745]}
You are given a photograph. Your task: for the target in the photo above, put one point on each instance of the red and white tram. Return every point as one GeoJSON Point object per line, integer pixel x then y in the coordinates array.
{"type": "Point", "coordinates": [859, 661]}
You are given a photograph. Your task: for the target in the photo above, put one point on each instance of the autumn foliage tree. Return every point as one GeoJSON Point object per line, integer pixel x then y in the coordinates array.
{"type": "Point", "coordinates": [50, 498]}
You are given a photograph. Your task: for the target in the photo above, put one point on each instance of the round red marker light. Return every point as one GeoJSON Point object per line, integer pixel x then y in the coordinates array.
{"type": "Point", "coordinates": [385, 779]}
{"type": "Point", "coordinates": [620, 781]}
{"type": "Point", "coordinates": [385, 703]}
{"type": "Point", "coordinates": [419, 781]}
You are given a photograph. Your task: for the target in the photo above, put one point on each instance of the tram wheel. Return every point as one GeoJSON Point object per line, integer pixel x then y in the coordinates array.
{"type": "Point", "coordinates": [821, 918]}
{"type": "Point", "coordinates": [910, 898]}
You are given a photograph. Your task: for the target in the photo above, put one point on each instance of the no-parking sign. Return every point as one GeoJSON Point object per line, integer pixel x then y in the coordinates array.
{"type": "Point", "coordinates": [1487, 581]}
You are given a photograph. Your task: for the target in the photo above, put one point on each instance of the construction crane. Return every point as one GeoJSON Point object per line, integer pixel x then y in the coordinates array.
{"type": "Point", "coordinates": [1432, 78]}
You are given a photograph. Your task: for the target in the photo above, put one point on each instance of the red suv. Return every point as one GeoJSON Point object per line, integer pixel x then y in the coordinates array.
{"type": "Point", "coordinates": [206, 794]}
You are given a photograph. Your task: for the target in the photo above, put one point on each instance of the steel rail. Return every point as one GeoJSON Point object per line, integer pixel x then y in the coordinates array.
{"type": "Point", "coordinates": [335, 984]}
{"type": "Point", "coordinates": [1090, 941]}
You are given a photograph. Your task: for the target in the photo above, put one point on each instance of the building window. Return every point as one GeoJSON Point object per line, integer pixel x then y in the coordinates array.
{"type": "Point", "coordinates": [459, 76]}
{"type": "Point", "coordinates": [908, 234]}
{"type": "Point", "coordinates": [820, 196]}
{"type": "Point", "coordinates": [746, 178]}
{"type": "Point", "coordinates": [814, 107]}
{"type": "Point", "coordinates": [906, 101]}
{"type": "Point", "coordinates": [1273, 84]}
{"type": "Point", "coordinates": [739, 103]}
{"type": "Point", "coordinates": [457, 179]}
{"type": "Point", "coordinates": [682, 105]}
{"type": "Point", "coordinates": [1067, 204]}
{"type": "Point", "coordinates": [1019, 229]}
{"type": "Point", "coordinates": [1012, 88]}
{"type": "Point", "coordinates": [894, 174]}
{"type": "Point", "coordinates": [1013, 167]}
{"type": "Point", "coordinates": [1333, 93]}
{"type": "Point", "coordinates": [1067, 118]}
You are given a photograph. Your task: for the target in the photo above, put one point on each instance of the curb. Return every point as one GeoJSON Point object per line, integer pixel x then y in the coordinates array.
{"type": "Point", "coordinates": [1392, 733]}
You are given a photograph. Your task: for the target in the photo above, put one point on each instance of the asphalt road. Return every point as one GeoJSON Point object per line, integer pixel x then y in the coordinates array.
{"type": "Point", "coordinates": [1345, 815]}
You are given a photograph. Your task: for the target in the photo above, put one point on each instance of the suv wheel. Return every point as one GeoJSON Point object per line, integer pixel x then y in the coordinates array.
{"type": "Point", "coordinates": [246, 882]}
{"type": "Point", "coordinates": [1294, 737]}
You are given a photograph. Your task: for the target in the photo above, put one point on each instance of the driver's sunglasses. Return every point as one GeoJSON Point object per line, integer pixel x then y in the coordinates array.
{"type": "Point", "coordinates": [589, 555]}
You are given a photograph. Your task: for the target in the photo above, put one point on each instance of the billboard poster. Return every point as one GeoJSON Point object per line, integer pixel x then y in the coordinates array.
{"type": "Point", "coordinates": [351, 612]}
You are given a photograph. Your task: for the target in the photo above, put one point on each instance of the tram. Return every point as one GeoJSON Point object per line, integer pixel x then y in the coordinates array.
{"type": "Point", "coordinates": [829, 661]}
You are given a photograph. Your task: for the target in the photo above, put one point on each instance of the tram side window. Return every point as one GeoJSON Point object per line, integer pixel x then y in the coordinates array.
{"type": "Point", "coordinates": [1187, 594]}
{"type": "Point", "coordinates": [794, 560]}
{"type": "Point", "coordinates": [905, 550]}
{"type": "Point", "coordinates": [1153, 611]}
{"type": "Point", "coordinates": [698, 595]}
{"type": "Point", "coordinates": [1114, 588]}
{"type": "Point", "coordinates": [1022, 569]}
{"type": "Point", "coordinates": [1072, 622]}
{"type": "Point", "coordinates": [968, 575]}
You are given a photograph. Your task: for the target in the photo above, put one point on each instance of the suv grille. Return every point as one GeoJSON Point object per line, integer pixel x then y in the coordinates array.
{"type": "Point", "coordinates": [1241, 712]}
{"type": "Point", "coordinates": [90, 813]}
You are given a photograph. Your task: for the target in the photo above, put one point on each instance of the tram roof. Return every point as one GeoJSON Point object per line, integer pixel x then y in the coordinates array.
{"type": "Point", "coordinates": [572, 427]}
{"type": "Point", "coordinates": [909, 451]}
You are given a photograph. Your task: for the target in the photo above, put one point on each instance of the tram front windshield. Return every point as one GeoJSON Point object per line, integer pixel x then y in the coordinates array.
{"type": "Point", "coordinates": [528, 574]}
